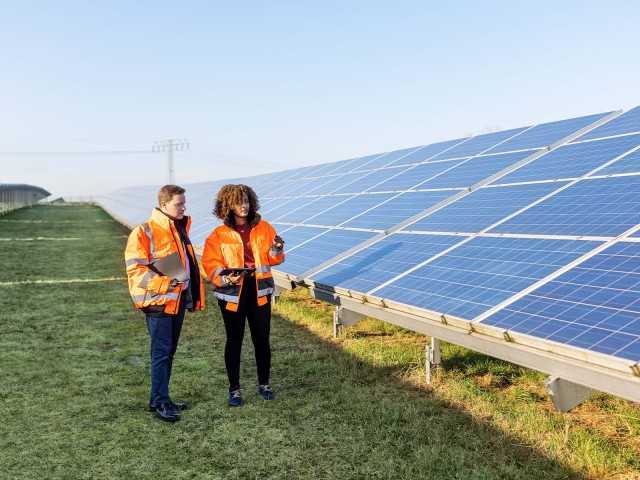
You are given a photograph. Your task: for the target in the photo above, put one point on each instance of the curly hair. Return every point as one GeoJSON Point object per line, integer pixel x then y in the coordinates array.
{"type": "Point", "coordinates": [231, 195]}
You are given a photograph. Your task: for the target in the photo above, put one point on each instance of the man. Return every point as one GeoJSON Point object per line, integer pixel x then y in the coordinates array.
{"type": "Point", "coordinates": [164, 298]}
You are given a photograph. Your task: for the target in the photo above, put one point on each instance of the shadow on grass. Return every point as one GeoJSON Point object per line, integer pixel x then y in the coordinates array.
{"type": "Point", "coordinates": [403, 428]}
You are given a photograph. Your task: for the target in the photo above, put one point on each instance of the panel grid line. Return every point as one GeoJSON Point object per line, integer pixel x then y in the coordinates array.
{"type": "Point", "coordinates": [555, 274]}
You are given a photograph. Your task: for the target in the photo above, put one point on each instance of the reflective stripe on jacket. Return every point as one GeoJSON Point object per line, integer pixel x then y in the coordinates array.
{"type": "Point", "coordinates": [224, 249]}
{"type": "Point", "coordinates": [149, 242]}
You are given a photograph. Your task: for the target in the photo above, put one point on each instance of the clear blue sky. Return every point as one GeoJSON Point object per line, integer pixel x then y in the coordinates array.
{"type": "Point", "coordinates": [262, 86]}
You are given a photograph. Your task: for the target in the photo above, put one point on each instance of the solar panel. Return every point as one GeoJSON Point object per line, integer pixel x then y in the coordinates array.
{"type": "Point", "coordinates": [630, 163]}
{"type": "Point", "coordinates": [628, 122]}
{"type": "Point", "coordinates": [479, 144]}
{"type": "Point", "coordinates": [348, 209]}
{"type": "Point", "coordinates": [410, 177]}
{"type": "Point", "coordinates": [482, 208]}
{"type": "Point", "coordinates": [481, 273]}
{"type": "Point", "coordinates": [386, 160]}
{"type": "Point", "coordinates": [603, 207]}
{"type": "Point", "coordinates": [595, 305]}
{"type": "Point", "coordinates": [426, 153]}
{"type": "Point", "coordinates": [328, 244]}
{"type": "Point", "coordinates": [469, 172]}
{"type": "Point", "coordinates": [397, 209]}
{"type": "Point", "coordinates": [316, 206]}
{"type": "Point", "coordinates": [365, 270]}
{"type": "Point", "coordinates": [529, 235]}
{"type": "Point", "coordinates": [573, 160]}
{"type": "Point", "coordinates": [546, 134]}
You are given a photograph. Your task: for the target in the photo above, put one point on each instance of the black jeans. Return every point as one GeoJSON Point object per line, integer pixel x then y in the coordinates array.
{"type": "Point", "coordinates": [259, 318]}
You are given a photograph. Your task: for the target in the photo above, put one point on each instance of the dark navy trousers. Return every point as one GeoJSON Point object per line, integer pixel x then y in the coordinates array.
{"type": "Point", "coordinates": [164, 332]}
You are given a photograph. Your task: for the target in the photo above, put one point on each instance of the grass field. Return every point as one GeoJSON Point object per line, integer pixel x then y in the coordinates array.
{"type": "Point", "coordinates": [74, 386]}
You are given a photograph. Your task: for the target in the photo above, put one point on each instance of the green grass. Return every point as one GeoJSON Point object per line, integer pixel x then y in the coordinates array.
{"type": "Point", "coordinates": [74, 387]}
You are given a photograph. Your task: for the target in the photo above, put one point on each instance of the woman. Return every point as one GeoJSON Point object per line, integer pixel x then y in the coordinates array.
{"type": "Point", "coordinates": [243, 240]}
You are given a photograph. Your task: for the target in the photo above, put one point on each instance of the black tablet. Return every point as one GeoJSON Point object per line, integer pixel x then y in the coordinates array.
{"type": "Point", "coordinates": [236, 271]}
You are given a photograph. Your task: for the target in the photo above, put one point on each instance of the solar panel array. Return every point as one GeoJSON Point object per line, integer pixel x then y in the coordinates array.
{"type": "Point", "coordinates": [530, 234]}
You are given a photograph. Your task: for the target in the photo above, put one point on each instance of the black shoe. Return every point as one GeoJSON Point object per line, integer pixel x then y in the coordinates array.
{"type": "Point", "coordinates": [177, 406]}
{"type": "Point", "coordinates": [167, 412]}
{"type": "Point", "coordinates": [180, 406]}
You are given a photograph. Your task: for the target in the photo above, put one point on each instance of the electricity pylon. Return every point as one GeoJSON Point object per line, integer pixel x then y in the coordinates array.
{"type": "Point", "coordinates": [171, 146]}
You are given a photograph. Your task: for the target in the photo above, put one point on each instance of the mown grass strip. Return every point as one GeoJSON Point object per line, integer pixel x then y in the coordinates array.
{"type": "Point", "coordinates": [74, 386]}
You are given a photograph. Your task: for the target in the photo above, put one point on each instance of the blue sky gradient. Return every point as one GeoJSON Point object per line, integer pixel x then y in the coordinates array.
{"type": "Point", "coordinates": [266, 86]}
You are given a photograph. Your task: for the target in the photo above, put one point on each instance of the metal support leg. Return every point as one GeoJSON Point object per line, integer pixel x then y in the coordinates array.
{"type": "Point", "coordinates": [275, 298]}
{"type": "Point", "coordinates": [344, 318]}
{"type": "Point", "coordinates": [433, 357]}
{"type": "Point", "coordinates": [336, 323]}
{"type": "Point", "coordinates": [566, 395]}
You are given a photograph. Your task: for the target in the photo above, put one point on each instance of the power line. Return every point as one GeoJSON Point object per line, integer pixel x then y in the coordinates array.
{"type": "Point", "coordinates": [236, 159]}
{"type": "Point", "coordinates": [73, 153]}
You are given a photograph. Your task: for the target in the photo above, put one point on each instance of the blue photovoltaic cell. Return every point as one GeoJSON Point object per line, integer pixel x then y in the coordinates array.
{"type": "Point", "coordinates": [309, 172]}
{"type": "Point", "coordinates": [398, 209]}
{"type": "Point", "coordinates": [293, 173]}
{"type": "Point", "coordinates": [345, 166]}
{"type": "Point", "coordinates": [482, 208]}
{"type": "Point", "coordinates": [595, 305]}
{"type": "Point", "coordinates": [386, 159]}
{"type": "Point", "coordinates": [317, 251]}
{"type": "Point", "coordinates": [348, 209]}
{"type": "Point", "coordinates": [202, 228]}
{"type": "Point", "coordinates": [383, 261]}
{"type": "Point", "coordinates": [547, 134]}
{"type": "Point", "coordinates": [482, 273]}
{"type": "Point", "coordinates": [288, 188]}
{"type": "Point", "coordinates": [135, 212]}
{"type": "Point", "coordinates": [305, 186]}
{"type": "Point", "coordinates": [628, 122]}
{"type": "Point", "coordinates": [310, 209]}
{"type": "Point", "coordinates": [427, 152]}
{"type": "Point", "coordinates": [333, 168]}
{"type": "Point", "coordinates": [368, 180]}
{"type": "Point", "coordinates": [295, 236]}
{"type": "Point", "coordinates": [602, 207]}
{"type": "Point", "coordinates": [335, 182]}
{"type": "Point", "coordinates": [281, 207]}
{"type": "Point", "coordinates": [572, 161]}
{"type": "Point", "coordinates": [628, 164]}
{"type": "Point", "coordinates": [469, 173]}
{"type": "Point", "coordinates": [411, 177]}
{"type": "Point", "coordinates": [479, 144]}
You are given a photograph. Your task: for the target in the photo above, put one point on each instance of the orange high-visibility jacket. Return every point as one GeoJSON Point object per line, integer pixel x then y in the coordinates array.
{"type": "Point", "coordinates": [149, 242]}
{"type": "Point", "coordinates": [224, 249]}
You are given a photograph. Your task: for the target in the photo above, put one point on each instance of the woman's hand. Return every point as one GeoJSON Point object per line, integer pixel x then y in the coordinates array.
{"type": "Point", "coordinates": [236, 278]}
{"type": "Point", "coordinates": [278, 242]}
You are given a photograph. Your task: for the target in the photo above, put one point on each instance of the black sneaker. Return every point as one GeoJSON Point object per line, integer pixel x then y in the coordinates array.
{"type": "Point", "coordinates": [177, 406]}
{"type": "Point", "coordinates": [266, 392]}
{"type": "Point", "coordinates": [167, 412]}
{"type": "Point", "coordinates": [235, 398]}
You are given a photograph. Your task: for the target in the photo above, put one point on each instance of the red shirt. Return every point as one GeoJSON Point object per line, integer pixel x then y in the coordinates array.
{"type": "Point", "coordinates": [245, 232]}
